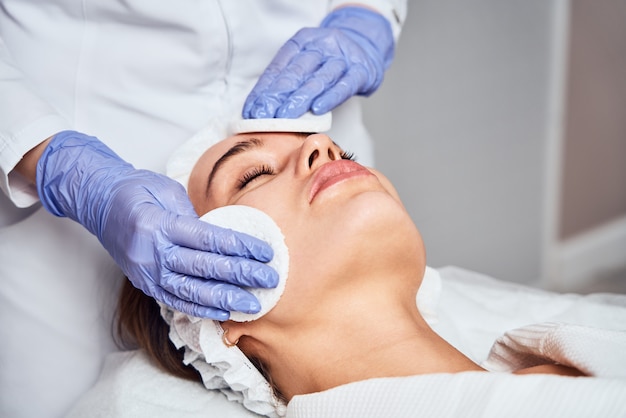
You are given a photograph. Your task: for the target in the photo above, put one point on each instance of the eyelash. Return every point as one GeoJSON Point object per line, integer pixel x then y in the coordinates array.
{"type": "Point", "coordinates": [254, 173]}
{"type": "Point", "coordinates": [264, 170]}
{"type": "Point", "coordinates": [347, 155]}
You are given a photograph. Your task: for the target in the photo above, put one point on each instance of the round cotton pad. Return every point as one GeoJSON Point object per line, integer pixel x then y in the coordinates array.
{"type": "Point", "coordinates": [257, 223]}
{"type": "Point", "coordinates": [305, 123]}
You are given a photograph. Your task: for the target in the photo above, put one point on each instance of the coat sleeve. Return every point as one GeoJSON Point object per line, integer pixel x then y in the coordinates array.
{"type": "Point", "coordinates": [394, 10]}
{"type": "Point", "coordinates": [25, 121]}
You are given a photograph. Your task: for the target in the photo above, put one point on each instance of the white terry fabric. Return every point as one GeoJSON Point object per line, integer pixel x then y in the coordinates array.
{"type": "Point", "coordinates": [258, 224]}
{"type": "Point", "coordinates": [492, 394]}
{"type": "Point", "coordinates": [467, 395]}
{"type": "Point", "coordinates": [596, 352]}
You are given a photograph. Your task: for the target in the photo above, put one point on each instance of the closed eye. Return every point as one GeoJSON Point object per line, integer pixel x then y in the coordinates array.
{"type": "Point", "coordinates": [254, 173]}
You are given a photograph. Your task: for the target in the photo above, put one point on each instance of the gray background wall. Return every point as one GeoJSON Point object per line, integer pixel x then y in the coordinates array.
{"type": "Point", "coordinates": [469, 125]}
{"type": "Point", "coordinates": [594, 169]}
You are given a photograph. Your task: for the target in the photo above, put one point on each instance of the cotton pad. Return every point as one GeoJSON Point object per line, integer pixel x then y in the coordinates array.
{"type": "Point", "coordinates": [257, 223]}
{"type": "Point", "coordinates": [305, 123]}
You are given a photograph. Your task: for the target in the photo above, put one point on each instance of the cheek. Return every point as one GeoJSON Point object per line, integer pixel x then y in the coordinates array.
{"type": "Point", "coordinates": [266, 201]}
{"type": "Point", "coordinates": [277, 199]}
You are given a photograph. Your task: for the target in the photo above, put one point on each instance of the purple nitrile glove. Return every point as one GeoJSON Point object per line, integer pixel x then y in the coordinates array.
{"type": "Point", "coordinates": [147, 223]}
{"type": "Point", "coordinates": [320, 68]}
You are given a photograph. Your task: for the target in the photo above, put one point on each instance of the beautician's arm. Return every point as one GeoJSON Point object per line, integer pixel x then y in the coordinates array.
{"type": "Point", "coordinates": [143, 219]}
{"type": "Point", "coordinates": [27, 166]}
{"type": "Point", "coordinates": [320, 68]}
{"type": "Point", "coordinates": [26, 119]}
{"type": "Point", "coordinates": [147, 223]}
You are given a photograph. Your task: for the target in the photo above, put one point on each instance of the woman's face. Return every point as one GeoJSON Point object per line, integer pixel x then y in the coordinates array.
{"type": "Point", "coordinates": [245, 168]}
{"type": "Point", "coordinates": [339, 218]}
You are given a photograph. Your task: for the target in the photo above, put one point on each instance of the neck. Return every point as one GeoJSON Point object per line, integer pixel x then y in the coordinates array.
{"type": "Point", "coordinates": [389, 340]}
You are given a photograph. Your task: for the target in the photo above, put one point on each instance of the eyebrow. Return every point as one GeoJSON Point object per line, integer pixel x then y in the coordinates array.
{"type": "Point", "coordinates": [238, 148]}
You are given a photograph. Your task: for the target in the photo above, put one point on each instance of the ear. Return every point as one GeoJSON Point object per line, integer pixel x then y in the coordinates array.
{"type": "Point", "coordinates": [233, 331]}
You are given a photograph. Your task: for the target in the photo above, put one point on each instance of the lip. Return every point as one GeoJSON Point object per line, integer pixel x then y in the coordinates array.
{"type": "Point", "coordinates": [335, 172]}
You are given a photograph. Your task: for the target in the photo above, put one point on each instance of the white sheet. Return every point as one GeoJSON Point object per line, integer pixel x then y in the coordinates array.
{"type": "Point", "coordinates": [473, 311]}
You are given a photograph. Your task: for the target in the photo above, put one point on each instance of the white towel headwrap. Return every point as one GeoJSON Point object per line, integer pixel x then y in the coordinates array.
{"type": "Point", "coordinates": [223, 368]}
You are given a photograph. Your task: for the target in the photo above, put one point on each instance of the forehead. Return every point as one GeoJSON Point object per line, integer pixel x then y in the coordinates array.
{"type": "Point", "coordinates": [216, 151]}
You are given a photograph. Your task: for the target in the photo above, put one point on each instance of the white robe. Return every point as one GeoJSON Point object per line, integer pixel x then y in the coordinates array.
{"type": "Point", "coordinates": [598, 352]}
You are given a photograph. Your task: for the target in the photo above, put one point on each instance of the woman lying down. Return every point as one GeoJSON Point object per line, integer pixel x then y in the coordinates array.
{"type": "Point", "coordinates": [346, 337]}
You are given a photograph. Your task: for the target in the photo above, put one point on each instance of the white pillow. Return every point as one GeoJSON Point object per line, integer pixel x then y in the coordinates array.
{"type": "Point", "coordinates": [133, 387]}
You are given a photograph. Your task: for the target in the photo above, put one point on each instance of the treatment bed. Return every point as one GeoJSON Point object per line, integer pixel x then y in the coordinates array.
{"type": "Point", "coordinates": [471, 311]}
{"type": "Point", "coordinates": [57, 335]}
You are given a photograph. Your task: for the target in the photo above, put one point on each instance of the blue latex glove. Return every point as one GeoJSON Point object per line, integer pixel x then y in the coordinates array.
{"type": "Point", "coordinates": [147, 223]}
{"type": "Point", "coordinates": [320, 68]}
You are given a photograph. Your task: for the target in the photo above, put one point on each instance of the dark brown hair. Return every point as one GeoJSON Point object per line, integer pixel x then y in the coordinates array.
{"type": "Point", "coordinates": [138, 324]}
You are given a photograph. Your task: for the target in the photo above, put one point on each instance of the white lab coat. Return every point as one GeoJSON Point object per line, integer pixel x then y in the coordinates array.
{"type": "Point", "coordinates": [143, 76]}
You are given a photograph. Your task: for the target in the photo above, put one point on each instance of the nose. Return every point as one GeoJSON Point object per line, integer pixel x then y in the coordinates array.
{"type": "Point", "coordinates": [317, 150]}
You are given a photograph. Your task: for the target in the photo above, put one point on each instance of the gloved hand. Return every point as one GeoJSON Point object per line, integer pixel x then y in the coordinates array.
{"type": "Point", "coordinates": [320, 68]}
{"type": "Point", "coordinates": [147, 223]}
